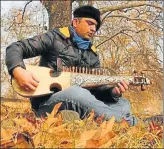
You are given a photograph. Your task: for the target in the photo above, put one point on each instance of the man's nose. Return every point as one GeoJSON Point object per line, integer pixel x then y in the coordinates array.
{"type": "Point", "coordinates": [93, 28]}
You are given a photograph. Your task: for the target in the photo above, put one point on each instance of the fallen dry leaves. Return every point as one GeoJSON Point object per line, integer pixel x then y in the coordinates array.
{"type": "Point", "coordinates": [28, 131]}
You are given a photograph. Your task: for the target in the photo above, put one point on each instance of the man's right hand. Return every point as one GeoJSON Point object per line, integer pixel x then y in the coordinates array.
{"type": "Point", "coordinates": [25, 79]}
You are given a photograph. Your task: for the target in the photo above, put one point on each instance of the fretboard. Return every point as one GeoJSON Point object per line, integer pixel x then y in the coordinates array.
{"type": "Point", "coordinates": [87, 80]}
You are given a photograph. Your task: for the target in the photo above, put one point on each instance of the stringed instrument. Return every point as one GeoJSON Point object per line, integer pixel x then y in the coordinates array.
{"type": "Point", "coordinates": [73, 76]}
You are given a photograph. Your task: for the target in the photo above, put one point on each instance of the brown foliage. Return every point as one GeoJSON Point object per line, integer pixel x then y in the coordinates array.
{"type": "Point", "coordinates": [28, 131]}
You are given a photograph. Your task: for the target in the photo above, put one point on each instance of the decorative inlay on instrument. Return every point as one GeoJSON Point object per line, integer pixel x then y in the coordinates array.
{"type": "Point", "coordinates": [83, 77]}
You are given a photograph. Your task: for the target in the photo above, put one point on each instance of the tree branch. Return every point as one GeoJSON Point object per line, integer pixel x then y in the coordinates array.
{"type": "Point", "coordinates": [108, 39]}
{"type": "Point", "coordinates": [136, 19]}
{"type": "Point", "coordinates": [22, 16]}
{"type": "Point", "coordinates": [106, 16]}
{"type": "Point", "coordinates": [132, 38]}
{"type": "Point", "coordinates": [130, 5]}
{"type": "Point", "coordinates": [121, 32]}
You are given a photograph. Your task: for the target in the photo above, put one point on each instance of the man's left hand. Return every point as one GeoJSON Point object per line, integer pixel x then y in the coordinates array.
{"type": "Point", "coordinates": [120, 88]}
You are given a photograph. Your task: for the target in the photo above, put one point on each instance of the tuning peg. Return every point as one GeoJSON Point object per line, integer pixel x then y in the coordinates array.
{"type": "Point", "coordinates": [69, 69]}
{"type": "Point", "coordinates": [93, 71]}
{"type": "Point", "coordinates": [73, 69]}
{"type": "Point", "coordinates": [76, 69]}
{"type": "Point", "coordinates": [142, 72]}
{"type": "Point", "coordinates": [86, 70]}
{"type": "Point", "coordinates": [63, 68]}
{"type": "Point", "coordinates": [96, 71]}
{"type": "Point", "coordinates": [143, 88]}
{"type": "Point", "coordinates": [80, 69]}
{"type": "Point", "coordinates": [135, 72]}
{"type": "Point", "coordinates": [83, 69]}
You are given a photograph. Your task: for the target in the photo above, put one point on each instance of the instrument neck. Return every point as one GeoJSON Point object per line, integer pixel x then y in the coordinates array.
{"type": "Point", "coordinates": [87, 80]}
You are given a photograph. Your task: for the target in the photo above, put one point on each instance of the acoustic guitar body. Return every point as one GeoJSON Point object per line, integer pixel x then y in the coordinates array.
{"type": "Point", "coordinates": [46, 82]}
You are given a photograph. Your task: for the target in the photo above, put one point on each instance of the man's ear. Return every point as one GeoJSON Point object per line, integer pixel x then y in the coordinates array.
{"type": "Point", "coordinates": [75, 21]}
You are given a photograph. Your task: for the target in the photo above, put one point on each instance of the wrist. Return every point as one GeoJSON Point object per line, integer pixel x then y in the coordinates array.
{"type": "Point", "coordinates": [16, 69]}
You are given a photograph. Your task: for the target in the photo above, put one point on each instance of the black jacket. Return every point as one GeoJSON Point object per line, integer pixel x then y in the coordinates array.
{"type": "Point", "coordinates": [50, 46]}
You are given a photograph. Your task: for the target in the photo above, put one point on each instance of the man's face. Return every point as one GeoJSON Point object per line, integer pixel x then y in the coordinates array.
{"type": "Point", "coordinates": [85, 27]}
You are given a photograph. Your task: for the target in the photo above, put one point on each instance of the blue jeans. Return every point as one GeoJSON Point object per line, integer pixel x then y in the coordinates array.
{"type": "Point", "coordinates": [82, 101]}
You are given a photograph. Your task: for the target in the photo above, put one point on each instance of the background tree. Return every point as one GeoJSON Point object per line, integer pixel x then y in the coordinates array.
{"type": "Point", "coordinates": [59, 12]}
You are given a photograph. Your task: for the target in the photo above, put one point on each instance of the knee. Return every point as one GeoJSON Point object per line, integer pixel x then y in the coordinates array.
{"type": "Point", "coordinates": [77, 88]}
{"type": "Point", "coordinates": [73, 94]}
{"type": "Point", "coordinates": [79, 91]}
{"type": "Point", "coordinates": [125, 104]}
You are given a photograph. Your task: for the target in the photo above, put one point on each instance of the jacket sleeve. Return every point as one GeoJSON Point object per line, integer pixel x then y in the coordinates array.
{"type": "Point", "coordinates": [97, 62]}
{"type": "Point", "coordinates": [28, 48]}
{"type": "Point", "coordinates": [104, 93]}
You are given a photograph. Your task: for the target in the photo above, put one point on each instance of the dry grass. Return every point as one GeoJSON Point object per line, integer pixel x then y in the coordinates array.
{"type": "Point", "coordinates": [14, 115]}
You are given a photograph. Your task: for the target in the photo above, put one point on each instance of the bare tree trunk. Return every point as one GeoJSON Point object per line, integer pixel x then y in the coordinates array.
{"type": "Point", "coordinates": [59, 12]}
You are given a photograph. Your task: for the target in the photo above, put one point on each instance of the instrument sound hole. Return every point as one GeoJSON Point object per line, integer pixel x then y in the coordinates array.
{"type": "Point", "coordinates": [55, 87]}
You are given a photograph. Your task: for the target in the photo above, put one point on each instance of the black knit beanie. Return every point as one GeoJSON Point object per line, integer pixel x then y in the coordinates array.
{"type": "Point", "coordinates": [88, 12]}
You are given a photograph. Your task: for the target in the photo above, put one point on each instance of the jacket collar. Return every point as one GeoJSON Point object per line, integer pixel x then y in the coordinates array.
{"type": "Point", "coordinates": [64, 31]}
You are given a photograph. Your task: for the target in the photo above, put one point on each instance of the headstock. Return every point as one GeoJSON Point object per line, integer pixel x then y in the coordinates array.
{"type": "Point", "coordinates": [140, 79]}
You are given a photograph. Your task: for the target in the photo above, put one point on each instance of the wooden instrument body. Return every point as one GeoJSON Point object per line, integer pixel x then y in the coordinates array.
{"type": "Point", "coordinates": [46, 82]}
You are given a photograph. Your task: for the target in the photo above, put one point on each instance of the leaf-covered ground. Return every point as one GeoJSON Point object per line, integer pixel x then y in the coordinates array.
{"type": "Point", "coordinates": [20, 128]}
